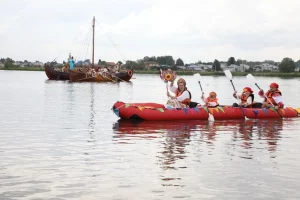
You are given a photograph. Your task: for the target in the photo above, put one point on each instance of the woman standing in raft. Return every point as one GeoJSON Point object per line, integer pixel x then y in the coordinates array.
{"type": "Point", "coordinates": [211, 100]}
{"type": "Point", "coordinates": [182, 96]}
{"type": "Point", "coordinates": [272, 97]}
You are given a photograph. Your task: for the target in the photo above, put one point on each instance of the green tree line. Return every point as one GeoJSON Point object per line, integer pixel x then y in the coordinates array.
{"type": "Point", "coordinates": [287, 65]}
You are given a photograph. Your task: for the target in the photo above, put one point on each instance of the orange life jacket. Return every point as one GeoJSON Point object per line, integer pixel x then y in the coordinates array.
{"type": "Point", "coordinates": [270, 97]}
{"type": "Point", "coordinates": [186, 101]}
{"type": "Point", "coordinates": [209, 100]}
{"type": "Point", "coordinates": [245, 97]}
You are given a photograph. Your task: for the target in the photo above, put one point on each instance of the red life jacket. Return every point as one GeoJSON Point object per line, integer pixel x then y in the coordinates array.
{"type": "Point", "coordinates": [270, 97]}
{"type": "Point", "coordinates": [186, 101]}
{"type": "Point", "coordinates": [209, 100]}
{"type": "Point", "coordinates": [245, 97]}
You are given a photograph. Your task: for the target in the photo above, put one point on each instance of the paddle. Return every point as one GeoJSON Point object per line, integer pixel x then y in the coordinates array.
{"type": "Point", "coordinates": [252, 79]}
{"type": "Point", "coordinates": [198, 78]}
{"type": "Point", "coordinates": [229, 76]}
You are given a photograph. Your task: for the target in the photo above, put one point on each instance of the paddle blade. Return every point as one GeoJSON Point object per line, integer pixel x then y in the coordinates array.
{"type": "Point", "coordinates": [197, 76]}
{"type": "Point", "coordinates": [251, 78]}
{"type": "Point", "coordinates": [211, 117]}
{"type": "Point", "coordinates": [228, 74]}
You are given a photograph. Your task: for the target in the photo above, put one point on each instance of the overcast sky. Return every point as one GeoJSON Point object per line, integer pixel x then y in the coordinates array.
{"type": "Point", "coordinates": [254, 30]}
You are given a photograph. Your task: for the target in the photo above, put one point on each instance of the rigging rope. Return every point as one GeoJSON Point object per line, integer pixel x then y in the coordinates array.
{"type": "Point", "coordinates": [115, 46]}
{"type": "Point", "coordinates": [85, 46]}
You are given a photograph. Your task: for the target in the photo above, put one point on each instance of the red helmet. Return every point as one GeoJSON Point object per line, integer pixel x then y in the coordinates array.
{"type": "Point", "coordinates": [247, 89]}
{"type": "Point", "coordinates": [274, 85]}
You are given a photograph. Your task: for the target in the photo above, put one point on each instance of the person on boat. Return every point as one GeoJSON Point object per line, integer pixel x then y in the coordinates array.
{"type": "Point", "coordinates": [211, 100]}
{"type": "Point", "coordinates": [272, 97]}
{"type": "Point", "coordinates": [64, 68]}
{"type": "Point", "coordinates": [71, 63]}
{"type": "Point", "coordinates": [182, 96]}
{"type": "Point", "coordinates": [246, 98]}
{"type": "Point", "coordinates": [118, 67]}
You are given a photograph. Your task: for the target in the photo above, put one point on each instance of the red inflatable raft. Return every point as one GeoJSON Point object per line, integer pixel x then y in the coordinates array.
{"type": "Point", "coordinates": [154, 111]}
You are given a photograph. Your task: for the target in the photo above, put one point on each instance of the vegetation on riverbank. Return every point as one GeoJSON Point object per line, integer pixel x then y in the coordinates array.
{"type": "Point", "coordinates": [181, 72]}
{"type": "Point", "coordinates": [23, 68]}
{"type": "Point", "coordinates": [221, 73]}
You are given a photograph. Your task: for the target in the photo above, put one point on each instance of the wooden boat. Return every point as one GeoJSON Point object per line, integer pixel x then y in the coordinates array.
{"type": "Point", "coordinates": [154, 111]}
{"type": "Point", "coordinates": [123, 76]}
{"type": "Point", "coordinates": [80, 76]}
{"type": "Point", "coordinates": [55, 75]}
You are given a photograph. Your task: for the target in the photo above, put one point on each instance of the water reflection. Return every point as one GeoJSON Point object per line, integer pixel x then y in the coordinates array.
{"type": "Point", "coordinates": [244, 134]}
{"type": "Point", "coordinates": [92, 113]}
{"type": "Point", "coordinates": [270, 130]}
{"type": "Point", "coordinates": [150, 127]}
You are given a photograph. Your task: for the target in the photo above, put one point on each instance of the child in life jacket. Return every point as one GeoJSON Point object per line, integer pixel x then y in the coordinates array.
{"type": "Point", "coordinates": [246, 98]}
{"type": "Point", "coordinates": [272, 97]}
{"type": "Point", "coordinates": [211, 100]}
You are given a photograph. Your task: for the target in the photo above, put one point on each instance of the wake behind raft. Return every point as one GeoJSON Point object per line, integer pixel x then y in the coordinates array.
{"type": "Point", "coordinates": [154, 111]}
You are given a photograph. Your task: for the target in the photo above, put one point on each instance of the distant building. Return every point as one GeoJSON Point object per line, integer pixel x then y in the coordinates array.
{"type": "Point", "coordinates": [181, 68]}
{"type": "Point", "coordinates": [36, 64]}
{"type": "Point", "coordinates": [110, 64]}
{"type": "Point", "coordinates": [151, 64]}
{"type": "Point", "coordinates": [223, 65]}
{"type": "Point", "coordinates": [231, 68]}
{"type": "Point", "coordinates": [266, 67]}
{"type": "Point", "coordinates": [206, 67]}
{"type": "Point", "coordinates": [242, 68]}
{"type": "Point", "coordinates": [195, 67]}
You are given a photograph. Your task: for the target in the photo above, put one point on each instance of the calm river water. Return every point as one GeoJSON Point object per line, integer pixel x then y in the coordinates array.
{"type": "Point", "coordinates": [60, 140]}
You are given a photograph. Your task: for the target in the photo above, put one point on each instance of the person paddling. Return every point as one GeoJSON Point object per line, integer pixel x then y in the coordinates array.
{"type": "Point", "coordinates": [273, 97]}
{"type": "Point", "coordinates": [246, 98]}
{"type": "Point", "coordinates": [211, 100]}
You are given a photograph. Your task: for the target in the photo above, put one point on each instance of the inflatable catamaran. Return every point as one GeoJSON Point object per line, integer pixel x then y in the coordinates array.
{"type": "Point", "coordinates": [154, 111]}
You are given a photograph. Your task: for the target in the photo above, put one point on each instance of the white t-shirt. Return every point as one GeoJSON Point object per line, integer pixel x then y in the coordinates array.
{"type": "Point", "coordinates": [277, 99]}
{"type": "Point", "coordinates": [248, 102]}
{"type": "Point", "coordinates": [183, 96]}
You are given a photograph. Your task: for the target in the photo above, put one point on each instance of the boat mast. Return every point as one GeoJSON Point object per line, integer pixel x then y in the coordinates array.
{"type": "Point", "coordinates": [93, 41]}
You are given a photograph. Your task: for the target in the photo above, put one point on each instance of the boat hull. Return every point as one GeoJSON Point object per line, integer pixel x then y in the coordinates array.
{"type": "Point", "coordinates": [77, 76]}
{"type": "Point", "coordinates": [157, 112]}
{"type": "Point", "coordinates": [55, 75]}
{"type": "Point", "coordinates": [263, 113]}
{"type": "Point", "coordinates": [124, 76]}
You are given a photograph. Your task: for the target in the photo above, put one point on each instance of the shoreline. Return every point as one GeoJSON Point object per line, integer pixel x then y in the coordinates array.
{"type": "Point", "coordinates": [179, 72]}
{"type": "Point", "coordinates": [221, 73]}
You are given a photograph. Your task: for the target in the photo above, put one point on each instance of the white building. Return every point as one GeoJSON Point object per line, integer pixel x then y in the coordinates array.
{"type": "Point", "coordinates": [265, 67]}
{"type": "Point", "coordinates": [231, 68]}
{"type": "Point", "coordinates": [195, 67]}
